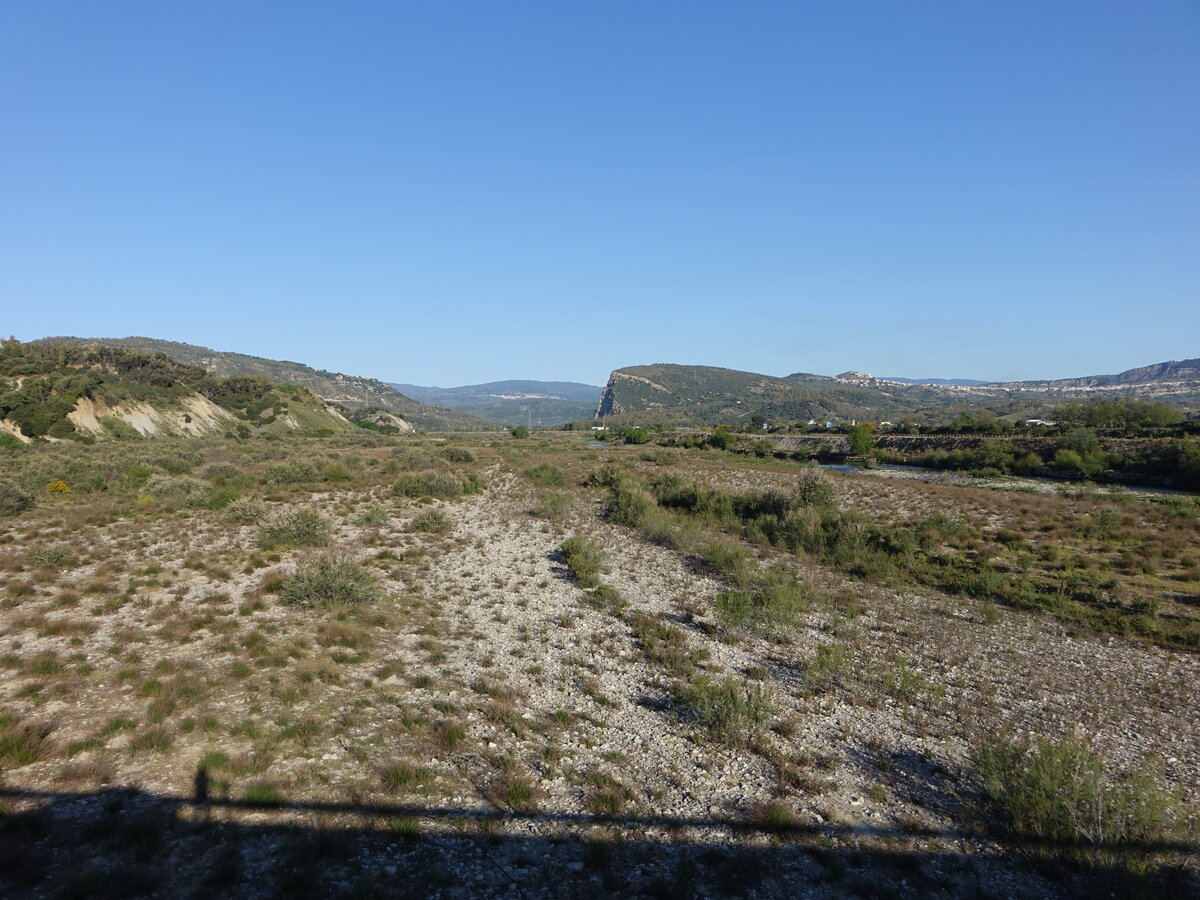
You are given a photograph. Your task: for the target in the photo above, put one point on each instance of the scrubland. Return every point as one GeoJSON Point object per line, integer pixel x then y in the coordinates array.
{"type": "Point", "coordinates": [482, 666]}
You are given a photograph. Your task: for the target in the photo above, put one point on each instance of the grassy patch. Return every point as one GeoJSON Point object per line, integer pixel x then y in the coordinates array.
{"type": "Point", "coordinates": [21, 743]}
{"type": "Point", "coordinates": [330, 578]}
{"type": "Point", "coordinates": [442, 485]}
{"type": "Point", "coordinates": [724, 709]}
{"type": "Point", "coordinates": [1059, 795]}
{"type": "Point", "coordinates": [431, 521]}
{"type": "Point", "coordinates": [300, 528]}
{"type": "Point", "coordinates": [546, 475]}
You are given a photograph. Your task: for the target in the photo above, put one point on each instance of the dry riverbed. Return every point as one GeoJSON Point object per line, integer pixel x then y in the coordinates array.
{"type": "Point", "coordinates": [486, 727]}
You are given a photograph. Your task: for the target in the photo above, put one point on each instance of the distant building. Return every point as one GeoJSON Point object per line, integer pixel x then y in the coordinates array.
{"type": "Point", "coordinates": [1038, 422]}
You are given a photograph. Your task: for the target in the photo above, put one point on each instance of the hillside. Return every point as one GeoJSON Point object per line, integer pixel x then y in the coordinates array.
{"type": "Point", "coordinates": [1170, 380]}
{"type": "Point", "coordinates": [351, 391]}
{"type": "Point", "coordinates": [61, 391]}
{"type": "Point", "coordinates": [514, 402]}
{"type": "Point", "coordinates": [706, 395]}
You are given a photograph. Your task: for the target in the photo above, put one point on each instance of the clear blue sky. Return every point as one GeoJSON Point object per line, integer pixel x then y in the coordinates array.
{"type": "Point", "coordinates": [451, 192]}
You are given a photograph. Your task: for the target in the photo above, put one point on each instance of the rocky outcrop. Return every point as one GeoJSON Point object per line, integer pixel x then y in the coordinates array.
{"type": "Point", "coordinates": [608, 405]}
{"type": "Point", "coordinates": [388, 420]}
{"type": "Point", "coordinates": [193, 416]}
{"type": "Point", "coordinates": [8, 426]}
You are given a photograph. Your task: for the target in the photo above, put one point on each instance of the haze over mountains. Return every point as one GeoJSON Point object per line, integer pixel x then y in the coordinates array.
{"type": "Point", "coordinates": [962, 381]}
{"type": "Point", "coordinates": [514, 402]}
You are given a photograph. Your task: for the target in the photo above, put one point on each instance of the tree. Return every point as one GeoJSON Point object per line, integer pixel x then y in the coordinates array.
{"type": "Point", "coordinates": [722, 439]}
{"type": "Point", "coordinates": [862, 440]}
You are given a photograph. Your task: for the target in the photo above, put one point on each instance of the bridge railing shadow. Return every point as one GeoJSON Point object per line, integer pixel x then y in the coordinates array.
{"type": "Point", "coordinates": [120, 842]}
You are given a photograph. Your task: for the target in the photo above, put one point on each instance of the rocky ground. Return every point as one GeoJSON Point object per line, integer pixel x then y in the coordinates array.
{"type": "Point", "coordinates": [489, 728]}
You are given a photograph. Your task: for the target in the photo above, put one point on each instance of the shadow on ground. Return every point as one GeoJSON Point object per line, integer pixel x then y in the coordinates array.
{"type": "Point", "coordinates": [120, 842]}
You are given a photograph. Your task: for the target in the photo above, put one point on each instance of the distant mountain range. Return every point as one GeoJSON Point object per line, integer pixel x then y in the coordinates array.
{"type": "Point", "coordinates": [705, 395]}
{"type": "Point", "coordinates": [535, 403]}
{"type": "Point", "coordinates": [351, 391]}
{"type": "Point", "coordinates": [959, 381]}
{"type": "Point", "coordinates": [676, 394]}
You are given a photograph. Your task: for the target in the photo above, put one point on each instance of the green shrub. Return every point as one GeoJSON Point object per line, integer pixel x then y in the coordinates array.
{"type": "Point", "coordinates": [584, 558]}
{"type": "Point", "coordinates": [20, 743]}
{"type": "Point", "coordinates": [862, 439]}
{"type": "Point", "coordinates": [177, 490]}
{"type": "Point", "coordinates": [609, 475]}
{"type": "Point", "coordinates": [218, 496]}
{"type": "Point", "coordinates": [630, 504]}
{"type": "Point", "coordinates": [1059, 793]}
{"type": "Point", "coordinates": [633, 435]}
{"type": "Point", "coordinates": [545, 475]}
{"type": "Point", "coordinates": [294, 471]}
{"type": "Point", "coordinates": [722, 439]}
{"type": "Point", "coordinates": [137, 475]}
{"type": "Point", "coordinates": [442, 485]}
{"type": "Point", "coordinates": [402, 776]}
{"type": "Point", "coordinates": [375, 514]}
{"type": "Point", "coordinates": [337, 472]}
{"type": "Point", "coordinates": [608, 597]}
{"type": "Point", "coordinates": [519, 794]}
{"type": "Point", "coordinates": [14, 501]}
{"type": "Point", "coordinates": [774, 603]}
{"type": "Point", "coordinates": [551, 505]}
{"type": "Point", "coordinates": [814, 490]}
{"type": "Point", "coordinates": [729, 560]}
{"type": "Point", "coordinates": [331, 579]}
{"type": "Point", "coordinates": [262, 793]}
{"type": "Point", "coordinates": [245, 511]}
{"type": "Point", "coordinates": [458, 454]}
{"type": "Point", "coordinates": [430, 520]}
{"type": "Point", "coordinates": [775, 817]}
{"type": "Point", "coordinates": [1068, 460]}
{"type": "Point", "coordinates": [828, 662]}
{"type": "Point", "coordinates": [59, 557]}
{"type": "Point", "coordinates": [725, 709]}
{"type": "Point", "coordinates": [300, 528]}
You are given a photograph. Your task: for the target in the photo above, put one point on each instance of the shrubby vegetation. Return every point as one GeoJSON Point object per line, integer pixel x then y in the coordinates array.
{"type": "Point", "coordinates": [331, 579]}
{"type": "Point", "coordinates": [546, 475]}
{"type": "Point", "coordinates": [725, 709]}
{"type": "Point", "coordinates": [584, 558]}
{"type": "Point", "coordinates": [1059, 796]}
{"type": "Point", "coordinates": [683, 514]}
{"type": "Point", "coordinates": [440, 485]}
{"type": "Point", "coordinates": [300, 528]}
{"type": "Point", "coordinates": [13, 500]}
